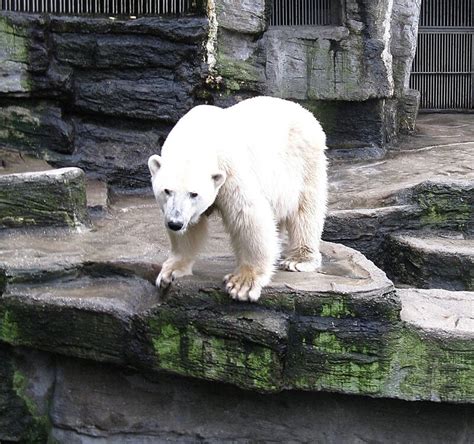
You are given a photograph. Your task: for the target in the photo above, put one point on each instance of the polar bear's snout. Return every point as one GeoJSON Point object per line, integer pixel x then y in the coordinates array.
{"type": "Point", "coordinates": [176, 220]}
{"type": "Point", "coordinates": [175, 225]}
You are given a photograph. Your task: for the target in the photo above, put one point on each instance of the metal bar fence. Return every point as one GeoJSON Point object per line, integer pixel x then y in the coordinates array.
{"type": "Point", "coordinates": [304, 12]}
{"type": "Point", "coordinates": [443, 68]}
{"type": "Point", "coordinates": [99, 7]}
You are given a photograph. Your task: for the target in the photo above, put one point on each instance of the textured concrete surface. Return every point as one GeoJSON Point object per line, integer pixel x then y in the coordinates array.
{"type": "Point", "coordinates": [439, 311]}
{"type": "Point", "coordinates": [441, 150]}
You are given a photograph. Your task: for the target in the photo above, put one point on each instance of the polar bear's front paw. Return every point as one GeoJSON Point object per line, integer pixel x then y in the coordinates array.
{"type": "Point", "coordinates": [172, 270]}
{"type": "Point", "coordinates": [299, 264]}
{"type": "Point", "coordinates": [243, 285]}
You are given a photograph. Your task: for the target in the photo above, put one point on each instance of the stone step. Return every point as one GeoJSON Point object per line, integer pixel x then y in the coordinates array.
{"type": "Point", "coordinates": [364, 220]}
{"type": "Point", "coordinates": [338, 330]}
{"type": "Point", "coordinates": [105, 312]}
{"type": "Point", "coordinates": [446, 313]}
{"type": "Point", "coordinates": [431, 260]}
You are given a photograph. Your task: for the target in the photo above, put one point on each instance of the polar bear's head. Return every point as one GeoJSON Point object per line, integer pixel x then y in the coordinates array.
{"type": "Point", "coordinates": [183, 195]}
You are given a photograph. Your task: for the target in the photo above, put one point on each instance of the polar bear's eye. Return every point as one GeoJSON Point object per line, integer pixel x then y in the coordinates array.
{"type": "Point", "coordinates": [167, 192]}
{"type": "Point", "coordinates": [193, 195]}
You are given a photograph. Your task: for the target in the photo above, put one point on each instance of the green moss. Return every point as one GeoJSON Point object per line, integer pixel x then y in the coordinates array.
{"type": "Point", "coordinates": [37, 432]}
{"type": "Point", "coordinates": [237, 74]}
{"type": "Point", "coordinates": [167, 347]}
{"type": "Point", "coordinates": [336, 308]}
{"type": "Point", "coordinates": [346, 376]}
{"type": "Point", "coordinates": [443, 208]}
{"type": "Point", "coordinates": [328, 362]}
{"type": "Point", "coordinates": [15, 47]}
{"type": "Point", "coordinates": [279, 301]}
{"type": "Point", "coordinates": [9, 331]}
{"type": "Point", "coordinates": [183, 349]}
{"type": "Point", "coordinates": [353, 377]}
{"type": "Point", "coordinates": [329, 343]}
{"type": "Point", "coordinates": [434, 368]}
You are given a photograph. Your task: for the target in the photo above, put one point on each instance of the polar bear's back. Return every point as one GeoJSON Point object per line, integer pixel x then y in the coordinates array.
{"type": "Point", "coordinates": [280, 143]}
{"type": "Point", "coordinates": [271, 128]}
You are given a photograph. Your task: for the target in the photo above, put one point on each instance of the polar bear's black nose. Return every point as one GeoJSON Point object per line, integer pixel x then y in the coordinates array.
{"type": "Point", "coordinates": [175, 226]}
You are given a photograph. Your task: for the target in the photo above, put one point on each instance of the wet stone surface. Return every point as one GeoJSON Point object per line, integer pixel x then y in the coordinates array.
{"type": "Point", "coordinates": [95, 287]}
{"type": "Point", "coordinates": [90, 294]}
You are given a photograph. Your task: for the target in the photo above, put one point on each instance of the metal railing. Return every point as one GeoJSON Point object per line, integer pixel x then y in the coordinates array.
{"type": "Point", "coordinates": [99, 7]}
{"type": "Point", "coordinates": [447, 13]}
{"type": "Point", "coordinates": [443, 68]}
{"type": "Point", "coordinates": [305, 12]}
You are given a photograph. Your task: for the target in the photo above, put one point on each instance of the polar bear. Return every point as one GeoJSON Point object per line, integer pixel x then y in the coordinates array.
{"type": "Point", "coordinates": [261, 164]}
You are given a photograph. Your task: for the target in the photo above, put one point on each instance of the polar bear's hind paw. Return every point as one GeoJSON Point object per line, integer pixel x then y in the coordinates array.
{"type": "Point", "coordinates": [301, 264]}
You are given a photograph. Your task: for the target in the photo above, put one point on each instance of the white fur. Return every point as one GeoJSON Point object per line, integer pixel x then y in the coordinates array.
{"type": "Point", "coordinates": [262, 164]}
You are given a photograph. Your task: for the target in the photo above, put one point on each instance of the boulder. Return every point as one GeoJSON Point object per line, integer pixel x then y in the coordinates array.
{"type": "Point", "coordinates": [54, 198]}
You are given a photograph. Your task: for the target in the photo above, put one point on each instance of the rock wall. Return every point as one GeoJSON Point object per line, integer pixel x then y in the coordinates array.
{"type": "Point", "coordinates": [74, 401]}
{"type": "Point", "coordinates": [103, 94]}
{"type": "Point", "coordinates": [356, 73]}
{"type": "Point", "coordinates": [97, 93]}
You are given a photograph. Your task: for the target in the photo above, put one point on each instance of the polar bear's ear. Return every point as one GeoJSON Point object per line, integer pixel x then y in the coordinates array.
{"type": "Point", "coordinates": [154, 164]}
{"type": "Point", "coordinates": [219, 179]}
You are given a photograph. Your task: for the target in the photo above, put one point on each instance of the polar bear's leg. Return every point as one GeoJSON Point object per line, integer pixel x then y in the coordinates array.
{"type": "Point", "coordinates": [184, 248]}
{"type": "Point", "coordinates": [255, 241]}
{"type": "Point", "coordinates": [305, 227]}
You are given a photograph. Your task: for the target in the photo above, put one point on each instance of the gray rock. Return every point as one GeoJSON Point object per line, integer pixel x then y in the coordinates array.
{"type": "Point", "coordinates": [408, 111]}
{"type": "Point", "coordinates": [431, 261]}
{"type": "Point", "coordinates": [151, 95]}
{"type": "Point", "coordinates": [364, 133]}
{"type": "Point", "coordinates": [149, 69]}
{"type": "Point", "coordinates": [243, 16]}
{"type": "Point", "coordinates": [95, 403]}
{"type": "Point", "coordinates": [446, 203]}
{"type": "Point", "coordinates": [13, 59]}
{"type": "Point", "coordinates": [105, 51]}
{"type": "Point", "coordinates": [48, 198]}
{"type": "Point", "coordinates": [190, 29]}
{"type": "Point", "coordinates": [336, 330]}
{"type": "Point", "coordinates": [20, 418]}
{"type": "Point", "coordinates": [440, 312]}
{"type": "Point", "coordinates": [404, 33]}
{"type": "Point", "coordinates": [37, 128]}
{"type": "Point", "coordinates": [86, 310]}
{"type": "Point", "coordinates": [117, 155]}
{"type": "Point", "coordinates": [347, 67]}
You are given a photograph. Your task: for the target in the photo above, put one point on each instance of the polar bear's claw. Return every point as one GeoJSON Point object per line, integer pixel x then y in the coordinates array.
{"type": "Point", "coordinates": [294, 264]}
{"type": "Point", "coordinates": [298, 266]}
{"type": "Point", "coordinates": [164, 280]}
{"type": "Point", "coordinates": [170, 271]}
{"type": "Point", "coordinates": [242, 286]}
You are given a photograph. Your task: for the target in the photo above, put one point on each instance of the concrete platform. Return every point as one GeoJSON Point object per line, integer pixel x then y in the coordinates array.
{"type": "Point", "coordinates": [442, 150]}
{"type": "Point", "coordinates": [89, 294]}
